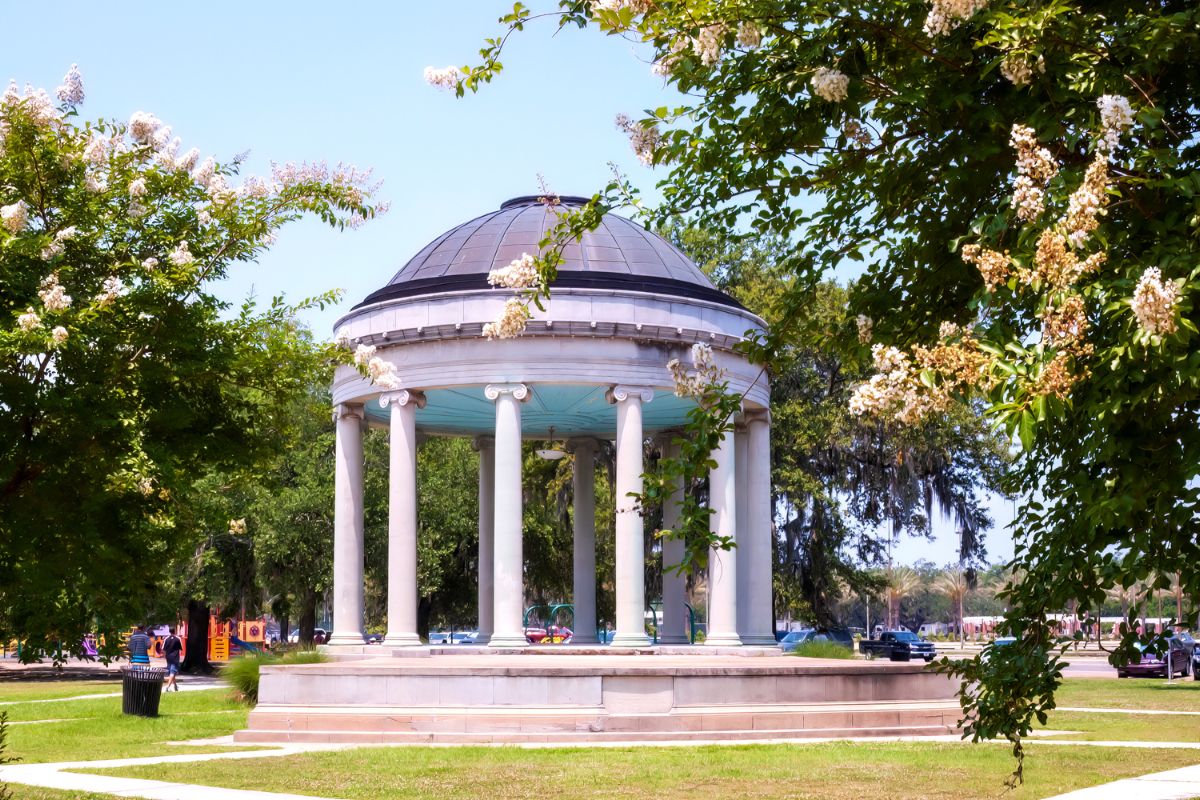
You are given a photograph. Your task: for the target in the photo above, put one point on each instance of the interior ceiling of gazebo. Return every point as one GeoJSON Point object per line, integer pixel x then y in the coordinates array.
{"type": "Point", "coordinates": [570, 410]}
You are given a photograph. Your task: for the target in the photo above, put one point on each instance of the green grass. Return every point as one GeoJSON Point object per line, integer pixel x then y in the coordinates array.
{"type": "Point", "coordinates": [833, 771]}
{"type": "Point", "coordinates": [52, 690]}
{"type": "Point", "coordinates": [822, 650]}
{"type": "Point", "coordinates": [38, 793]}
{"type": "Point", "coordinates": [96, 729]}
{"type": "Point", "coordinates": [1140, 693]}
{"type": "Point", "coordinates": [1126, 727]}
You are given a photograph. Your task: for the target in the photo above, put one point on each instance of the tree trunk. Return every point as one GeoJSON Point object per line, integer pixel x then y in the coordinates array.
{"type": "Point", "coordinates": [424, 611]}
{"type": "Point", "coordinates": [284, 629]}
{"type": "Point", "coordinates": [195, 659]}
{"type": "Point", "coordinates": [308, 618]}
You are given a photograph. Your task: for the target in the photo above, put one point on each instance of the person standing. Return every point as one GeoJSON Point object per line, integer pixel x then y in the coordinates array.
{"type": "Point", "coordinates": [139, 647]}
{"type": "Point", "coordinates": [172, 652]}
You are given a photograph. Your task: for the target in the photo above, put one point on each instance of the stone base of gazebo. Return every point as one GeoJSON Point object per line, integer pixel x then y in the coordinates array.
{"type": "Point", "coordinates": [567, 697]}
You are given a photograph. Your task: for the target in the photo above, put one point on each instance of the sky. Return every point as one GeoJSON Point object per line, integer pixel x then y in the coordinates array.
{"type": "Point", "coordinates": [343, 83]}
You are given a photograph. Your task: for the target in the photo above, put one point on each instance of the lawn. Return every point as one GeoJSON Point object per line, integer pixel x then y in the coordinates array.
{"type": "Point", "coordinates": [96, 729]}
{"type": "Point", "coordinates": [831, 771]}
{"type": "Point", "coordinates": [1142, 693]}
{"type": "Point", "coordinates": [14, 691]}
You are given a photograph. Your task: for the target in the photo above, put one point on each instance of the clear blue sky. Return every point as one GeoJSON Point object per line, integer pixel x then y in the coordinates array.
{"type": "Point", "coordinates": [309, 81]}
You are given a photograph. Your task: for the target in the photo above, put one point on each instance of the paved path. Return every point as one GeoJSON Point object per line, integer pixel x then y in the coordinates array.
{"type": "Point", "coordinates": [1175, 784]}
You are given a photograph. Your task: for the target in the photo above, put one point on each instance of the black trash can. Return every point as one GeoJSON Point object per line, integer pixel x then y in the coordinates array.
{"type": "Point", "coordinates": [141, 689]}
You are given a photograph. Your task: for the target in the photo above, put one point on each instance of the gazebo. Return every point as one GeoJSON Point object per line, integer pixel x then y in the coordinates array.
{"type": "Point", "coordinates": [591, 367]}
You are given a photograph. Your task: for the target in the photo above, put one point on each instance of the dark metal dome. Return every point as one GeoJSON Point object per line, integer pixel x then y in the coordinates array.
{"type": "Point", "coordinates": [619, 254]}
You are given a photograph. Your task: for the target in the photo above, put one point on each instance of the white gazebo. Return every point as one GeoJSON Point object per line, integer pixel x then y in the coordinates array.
{"type": "Point", "coordinates": [591, 367]}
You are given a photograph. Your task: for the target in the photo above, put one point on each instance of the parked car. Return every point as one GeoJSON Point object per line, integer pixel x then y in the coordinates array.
{"type": "Point", "coordinates": [796, 638]}
{"type": "Point", "coordinates": [320, 635]}
{"type": "Point", "coordinates": [898, 646]}
{"type": "Point", "coordinates": [439, 637]}
{"type": "Point", "coordinates": [1151, 664]}
{"type": "Point", "coordinates": [463, 637]}
{"type": "Point", "coordinates": [374, 638]}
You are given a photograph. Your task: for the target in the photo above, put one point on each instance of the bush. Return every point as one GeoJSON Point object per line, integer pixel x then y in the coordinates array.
{"type": "Point", "coordinates": [823, 650]}
{"type": "Point", "coordinates": [242, 673]}
{"type": "Point", "coordinates": [5, 794]}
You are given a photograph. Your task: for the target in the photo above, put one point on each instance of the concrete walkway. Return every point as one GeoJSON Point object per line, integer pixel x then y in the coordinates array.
{"type": "Point", "coordinates": [1175, 784]}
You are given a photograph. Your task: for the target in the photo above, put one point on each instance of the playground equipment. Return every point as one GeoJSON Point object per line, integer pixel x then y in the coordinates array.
{"type": "Point", "coordinates": [551, 633]}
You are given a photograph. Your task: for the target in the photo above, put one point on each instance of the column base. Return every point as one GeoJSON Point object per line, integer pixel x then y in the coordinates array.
{"type": "Point", "coordinates": [482, 639]}
{"type": "Point", "coordinates": [759, 640]}
{"type": "Point", "coordinates": [342, 639]}
{"type": "Point", "coordinates": [630, 640]}
{"type": "Point", "coordinates": [577, 639]}
{"type": "Point", "coordinates": [723, 640]}
{"type": "Point", "coordinates": [402, 640]}
{"type": "Point", "coordinates": [508, 640]}
{"type": "Point", "coordinates": [673, 639]}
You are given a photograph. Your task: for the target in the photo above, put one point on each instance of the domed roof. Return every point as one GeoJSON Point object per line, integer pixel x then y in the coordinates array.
{"type": "Point", "coordinates": [619, 254]}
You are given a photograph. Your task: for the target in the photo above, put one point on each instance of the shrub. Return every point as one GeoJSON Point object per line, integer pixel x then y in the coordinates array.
{"type": "Point", "coordinates": [5, 794]}
{"type": "Point", "coordinates": [242, 673]}
{"type": "Point", "coordinates": [823, 650]}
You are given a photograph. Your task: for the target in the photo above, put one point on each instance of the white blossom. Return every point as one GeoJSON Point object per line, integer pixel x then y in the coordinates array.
{"type": "Point", "coordinates": [666, 63]}
{"type": "Point", "coordinates": [1035, 168]}
{"type": "Point", "coordinates": [53, 295]}
{"type": "Point", "coordinates": [136, 210]}
{"type": "Point", "coordinates": [444, 78]}
{"type": "Point", "coordinates": [203, 173]}
{"type": "Point", "coordinates": [58, 335]}
{"type": "Point", "coordinates": [521, 273]}
{"type": "Point", "coordinates": [34, 103]}
{"type": "Point", "coordinates": [150, 264]}
{"type": "Point", "coordinates": [708, 43]}
{"type": "Point", "coordinates": [143, 126]}
{"type": "Point", "coordinates": [1154, 302]}
{"type": "Point", "coordinates": [830, 84]}
{"type": "Point", "coordinates": [204, 217]}
{"type": "Point", "coordinates": [363, 354]}
{"type": "Point", "coordinates": [1116, 117]}
{"type": "Point", "coordinates": [29, 321]}
{"type": "Point", "coordinates": [946, 15]}
{"type": "Point", "coordinates": [237, 527]}
{"type": "Point", "coordinates": [181, 256]}
{"type": "Point", "coordinates": [71, 91]}
{"type": "Point", "coordinates": [96, 150]}
{"type": "Point", "coordinates": [703, 375]}
{"type": "Point", "coordinates": [111, 290]}
{"type": "Point", "coordinates": [865, 325]}
{"type": "Point", "coordinates": [749, 35]}
{"type": "Point", "coordinates": [1017, 70]}
{"type": "Point", "coordinates": [137, 188]}
{"type": "Point", "coordinates": [95, 184]}
{"type": "Point", "coordinates": [14, 217]}
{"type": "Point", "coordinates": [342, 337]}
{"type": "Point", "coordinates": [187, 161]}
{"type": "Point", "coordinates": [511, 322]}
{"type": "Point", "coordinates": [643, 139]}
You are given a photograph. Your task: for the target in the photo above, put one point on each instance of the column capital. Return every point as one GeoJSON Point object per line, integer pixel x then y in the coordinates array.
{"type": "Point", "coordinates": [757, 415]}
{"type": "Point", "coordinates": [481, 442]}
{"type": "Point", "coordinates": [620, 393]}
{"type": "Point", "coordinates": [493, 391]}
{"type": "Point", "coordinates": [403, 397]}
{"type": "Point", "coordinates": [349, 410]}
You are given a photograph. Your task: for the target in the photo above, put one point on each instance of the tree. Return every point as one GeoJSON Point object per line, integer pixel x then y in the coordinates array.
{"type": "Point", "coordinates": [1056, 141]}
{"type": "Point", "coordinates": [123, 376]}
{"type": "Point", "coordinates": [899, 583]}
{"type": "Point", "coordinates": [954, 585]}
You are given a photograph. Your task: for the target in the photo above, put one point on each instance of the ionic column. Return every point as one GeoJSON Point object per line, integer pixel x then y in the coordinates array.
{"type": "Point", "coordinates": [348, 526]}
{"type": "Point", "coordinates": [486, 447]}
{"type": "Point", "coordinates": [722, 564]}
{"type": "Point", "coordinates": [674, 605]}
{"type": "Point", "coordinates": [743, 507]}
{"type": "Point", "coordinates": [756, 552]}
{"type": "Point", "coordinates": [402, 518]}
{"type": "Point", "coordinates": [630, 530]}
{"type": "Point", "coordinates": [509, 595]}
{"type": "Point", "coordinates": [583, 520]}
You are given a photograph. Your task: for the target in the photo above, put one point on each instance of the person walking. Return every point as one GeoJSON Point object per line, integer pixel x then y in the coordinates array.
{"type": "Point", "coordinates": [139, 647]}
{"type": "Point", "coordinates": [172, 652]}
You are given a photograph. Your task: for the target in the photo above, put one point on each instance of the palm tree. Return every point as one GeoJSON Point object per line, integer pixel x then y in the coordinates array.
{"type": "Point", "coordinates": [900, 583]}
{"type": "Point", "coordinates": [953, 584]}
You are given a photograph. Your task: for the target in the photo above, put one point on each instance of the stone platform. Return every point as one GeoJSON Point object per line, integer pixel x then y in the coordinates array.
{"type": "Point", "coordinates": [579, 697]}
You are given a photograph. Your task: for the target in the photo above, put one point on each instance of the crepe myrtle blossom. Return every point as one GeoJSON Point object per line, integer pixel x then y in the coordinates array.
{"type": "Point", "coordinates": [58, 335]}
{"type": "Point", "coordinates": [749, 35]}
{"type": "Point", "coordinates": [181, 256]}
{"type": "Point", "coordinates": [444, 78]}
{"type": "Point", "coordinates": [383, 373]}
{"type": "Point", "coordinates": [14, 217]}
{"type": "Point", "coordinates": [643, 139]}
{"type": "Point", "coordinates": [1116, 117]}
{"type": "Point", "coordinates": [53, 296]}
{"type": "Point", "coordinates": [1035, 167]}
{"type": "Point", "coordinates": [830, 84]}
{"type": "Point", "coordinates": [94, 183]}
{"type": "Point", "coordinates": [57, 246]}
{"type": "Point", "coordinates": [946, 15]}
{"type": "Point", "coordinates": [511, 322]}
{"type": "Point", "coordinates": [111, 290]}
{"type": "Point", "coordinates": [1154, 302]}
{"type": "Point", "coordinates": [29, 320]}
{"type": "Point", "coordinates": [137, 188]}
{"type": "Point", "coordinates": [203, 173]}
{"type": "Point", "coordinates": [666, 63]}
{"type": "Point", "coordinates": [342, 337]}
{"type": "Point", "coordinates": [703, 374]}
{"type": "Point", "coordinates": [708, 42]}
{"type": "Point", "coordinates": [521, 273]}
{"type": "Point", "coordinates": [237, 527]}
{"type": "Point", "coordinates": [71, 91]}
{"type": "Point", "coordinates": [865, 325]}
{"type": "Point", "coordinates": [364, 354]}
{"type": "Point", "coordinates": [143, 126]}
{"type": "Point", "coordinates": [150, 264]}
{"type": "Point", "coordinates": [35, 104]}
